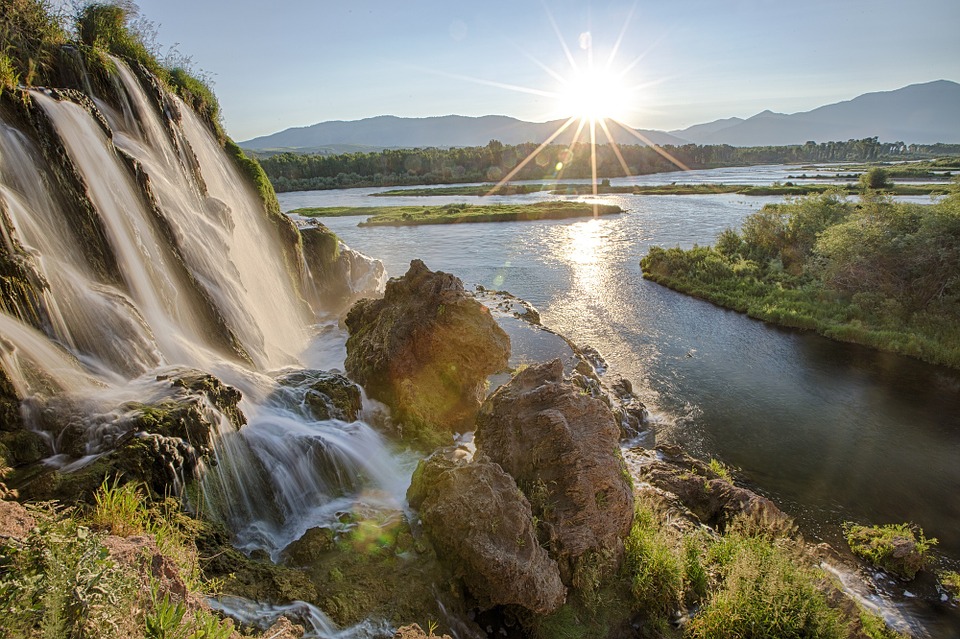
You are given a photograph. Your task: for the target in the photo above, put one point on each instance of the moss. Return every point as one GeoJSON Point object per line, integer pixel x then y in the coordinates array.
{"type": "Point", "coordinates": [900, 549]}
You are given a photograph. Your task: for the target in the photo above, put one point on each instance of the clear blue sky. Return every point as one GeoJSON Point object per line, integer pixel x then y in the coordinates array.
{"type": "Point", "coordinates": [298, 62]}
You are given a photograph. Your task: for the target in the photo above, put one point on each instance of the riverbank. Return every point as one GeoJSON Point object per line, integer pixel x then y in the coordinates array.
{"type": "Point", "coordinates": [462, 213]}
{"type": "Point", "coordinates": [880, 274]}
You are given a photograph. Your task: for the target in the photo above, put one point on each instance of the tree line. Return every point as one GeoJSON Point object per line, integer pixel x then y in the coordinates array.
{"type": "Point", "coordinates": [395, 167]}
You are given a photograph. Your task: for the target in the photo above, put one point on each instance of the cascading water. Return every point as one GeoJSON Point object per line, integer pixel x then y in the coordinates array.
{"type": "Point", "coordinates": [197, 258]}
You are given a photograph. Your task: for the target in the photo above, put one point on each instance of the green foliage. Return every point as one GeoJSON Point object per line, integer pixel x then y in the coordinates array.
{"type": "Point", "coordinates": [882, 274]}
{"type": "Point", "coordinates": [875, 178]}
{"type": "Point", "coordinates": [765, 592]}
{"type": "Point", "coordinates": [463, 213]}
{"type": "Point", "coordinates": [900, 549]}
{"type": "Point", "coordinates": [654, 563]}
{"type": "Point", "coordinates": [31, 35]}
{"type": "Point", "coordinates": [59, 582]}
{"type": "Point", "coordinates": [196, 93]}
{"type": "Point", "coordinates": [119, 509]}
{"type": "Point", "coordinates": [950, 580]}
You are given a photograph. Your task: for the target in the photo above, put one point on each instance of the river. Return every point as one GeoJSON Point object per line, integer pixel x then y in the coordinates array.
{"type": "Point", "coordinates": [832, 432]}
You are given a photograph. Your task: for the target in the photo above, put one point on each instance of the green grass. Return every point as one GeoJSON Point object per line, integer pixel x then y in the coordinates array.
{"type": "Point", "coordinates": [765, 591]}
{"type": "Point", "coordinates": [462, 213]}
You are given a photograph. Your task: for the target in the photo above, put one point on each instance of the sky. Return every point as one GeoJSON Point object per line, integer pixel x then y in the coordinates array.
{"type": "Point", "coordinates": [287, 63]}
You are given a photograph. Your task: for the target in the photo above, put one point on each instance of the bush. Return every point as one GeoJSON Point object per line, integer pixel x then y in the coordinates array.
{"type": "Point", "coordinates": [765, 592]}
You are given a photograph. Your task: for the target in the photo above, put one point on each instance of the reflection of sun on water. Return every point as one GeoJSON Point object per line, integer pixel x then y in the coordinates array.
{"type": "Point", "coordinates": [583, 250]}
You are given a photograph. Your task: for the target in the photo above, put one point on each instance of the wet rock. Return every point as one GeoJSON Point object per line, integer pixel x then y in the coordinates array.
{"type": "Point", "coordinates": [314, 543]}
{"type": "Point", "coordinates": [425, 350]}
{"type": "Point", "coordinates": [283, 628]}
{"type": "Point", "coordinates": [159, 442]}
{"type": "Point", "coordinates": [482, 525]}
{"type": "Point", "coordinates": [714, 499]}
{"type": "Point", "coordinates": [337, 275]}
{"type": "Point", "coordinates": [325, 395]}
{"type": "Point", "coordinates": [561, 446]}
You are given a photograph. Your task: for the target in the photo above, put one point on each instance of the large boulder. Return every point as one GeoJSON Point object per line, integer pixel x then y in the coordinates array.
{"type": "Point", "coordinates": [425, 350]}
{"type": "Point", "coordinates": [561, 446]}
{"type": "Point", "coordinates": [482, 524]}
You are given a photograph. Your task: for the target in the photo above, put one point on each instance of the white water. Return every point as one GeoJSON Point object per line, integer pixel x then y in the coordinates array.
{"type": "Point", "coordinates": [110, 343]}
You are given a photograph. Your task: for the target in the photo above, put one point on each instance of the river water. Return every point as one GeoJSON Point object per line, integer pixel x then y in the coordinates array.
{"type": "Point", "coordinates": [833, 432]}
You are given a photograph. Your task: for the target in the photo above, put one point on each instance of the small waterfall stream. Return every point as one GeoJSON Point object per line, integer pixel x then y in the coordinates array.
{"type": "Point", "coordinates": [197, 256]}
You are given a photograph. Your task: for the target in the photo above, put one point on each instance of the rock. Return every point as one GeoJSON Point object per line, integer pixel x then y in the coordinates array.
{"type": "Point", "coordinates": [414, 631]}
{"type": "Point", "coordinates": [425, 350]}
{"type": "Point", "coordinates": [482, 525]}
{"type": "Point", "coordinates": [15, 520]}
{"type": "Point", "coordinates": [561, 446]}
{"type": "Point", "coordinates": [159, 442]}
{"type": "Point", "coordinates": [337, 275]}
{"type": "Point", "coordinates": [312, 544]}
{"type": "Point", "coordinates": [898, 549]}
{"type": "Point", "coordinates": [325, 395]}
{"type": "Point", "coordinates": [715, 500]}
{"type": "Point", "coordinates": [283, 628]}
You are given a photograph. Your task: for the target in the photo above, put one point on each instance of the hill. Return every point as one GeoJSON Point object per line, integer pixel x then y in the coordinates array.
{"type": "Point", "coordinates": [918, 113]}
{"type": "Point", "coordinates": [388, 131]}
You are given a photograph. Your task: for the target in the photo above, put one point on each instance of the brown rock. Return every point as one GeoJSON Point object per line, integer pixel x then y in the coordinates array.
{"type": "Point", "coordinates": [283, 628]}
{"type": "Point", "coordinates": [425, 350]}
{"type": "Point", "coordinates": [15, 520]}
{"type": "Point", "coordinates": [561, 446]}
{"type": "Point", "coordinates": [482, 524]}
{"type": "Point", "coordinates": [715, 500]}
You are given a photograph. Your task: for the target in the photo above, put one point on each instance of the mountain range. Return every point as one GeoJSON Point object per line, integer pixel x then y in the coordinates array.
{"type": "Point", "coordinates": [919, 113]}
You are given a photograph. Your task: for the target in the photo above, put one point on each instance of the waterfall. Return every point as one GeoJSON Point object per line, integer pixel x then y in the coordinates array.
{"type": "Point", "coordinates": [201, 285]}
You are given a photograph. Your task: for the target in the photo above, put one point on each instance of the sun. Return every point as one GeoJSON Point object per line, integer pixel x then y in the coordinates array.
{"type": "Point", "coordinates": [594, 94]}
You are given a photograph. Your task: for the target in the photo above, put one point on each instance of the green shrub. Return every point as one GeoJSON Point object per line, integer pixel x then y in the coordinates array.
{"type": "Point", "coordinates": [655, 564]}
{"type": "Point", "coordinates": [765, 592]}
{"type": "Point", "coordinates": [59, 582]}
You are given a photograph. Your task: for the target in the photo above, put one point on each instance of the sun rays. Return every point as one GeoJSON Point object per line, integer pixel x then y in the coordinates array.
{"type": "Point", "coordinates": [595, 97]}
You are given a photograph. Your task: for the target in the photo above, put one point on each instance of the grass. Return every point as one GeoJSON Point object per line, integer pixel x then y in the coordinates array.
{"type": "Point", "coordinates": [765, 591]}
{"type": "Point", "coordinates": [60, 580]}
{"type": "Point", "coordinates": [462, 213]}
{"type": "Point", "coordinates": [885, 546]}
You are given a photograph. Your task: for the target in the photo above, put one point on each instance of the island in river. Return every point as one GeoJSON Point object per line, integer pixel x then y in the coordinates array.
{"type": "Point", "coordinates": [462, 213]}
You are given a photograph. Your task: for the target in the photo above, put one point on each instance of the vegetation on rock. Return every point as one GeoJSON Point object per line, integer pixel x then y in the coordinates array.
{"type": "Point", "coordinates": [900, 549]}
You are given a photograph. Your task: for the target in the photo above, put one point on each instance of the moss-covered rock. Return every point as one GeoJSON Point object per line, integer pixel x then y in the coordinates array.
{"type": "Point", "coordinates": [425, 350]}
{"type": "Point", "coordinates": [899, 549]}
{"type": "Point", "coordinates": [157, 443]}
{"type": "Point", "coordinates": [324, 395]}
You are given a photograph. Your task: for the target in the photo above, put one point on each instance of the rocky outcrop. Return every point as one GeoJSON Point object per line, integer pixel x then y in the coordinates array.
{"type": "Point", "coordinates": [425, 350]}
{"type": "Point", "coordinates": [324, 395]}
{"type": "Point", "coordinates": [561, 446]}
{"type": "Point", "coordinates": [483, 525]}
{"type": "Point", "coordinates": [337, 275]}
{"type": "Point", "coordinates": [159, 442]}
{"type": "Point", "coordinates": [712, 498]}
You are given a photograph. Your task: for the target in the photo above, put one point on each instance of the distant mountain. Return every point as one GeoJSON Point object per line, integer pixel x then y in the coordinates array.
{"type": "Point", "coordinates": [699, 130]}
{"type": "Point", "coordinates": [919, 113]}
{"type": "Point", "coordinates": [387, 131]}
